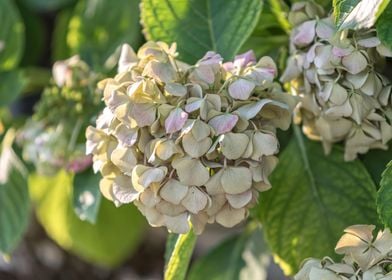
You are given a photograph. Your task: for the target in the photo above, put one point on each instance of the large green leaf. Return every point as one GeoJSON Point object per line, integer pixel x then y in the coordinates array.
{"type": "Point", "coordinates": [269, 37]}
{"type": "Point", "coordinates": [384, 30]}
{"type": "Point", "coordinates": [14, 198]}
{"type": "Point", "coordinates": [375, 162]}
{"type": "Point", "coordinates": [11, 35]}
{"type": "Point", "coordinates": [14, 210]}
{"type": "Point", "coordinates": [384, 197]}
{"type": "Point", "coordinates": [86, 195]}
{"type": "Point", "coordinates": [60, 49]}
{"type": "Point", "coordinates": [11, 86]}
{"type": "Point", "coordinates": [313, 199]}
{"type": "Point", "coordinates": [47, 5]}
{"type": "Point", "coordinates": [356, 14]}
{"type": "Point", "coordinates": [98, 27]}
{"type": "Point", "coordinates": [114, 237]}
{"type": "Point", "coordinates": [199, 26]}
{"type": "Point", "coordinates": [240, 257]}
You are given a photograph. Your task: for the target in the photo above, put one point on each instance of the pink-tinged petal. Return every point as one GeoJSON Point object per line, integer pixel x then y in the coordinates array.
{"type": "Point", "coordinates": [244, 59]}
{"type": "Point", "coordinates": [241, 89]}
{"type": "Point", "coordinates": [144, 114]}
{"type": "Point", "coordinates": [228, 66]}
{"type": "Point", "coordinates": [325, 28]}
{"type": "Point", "coordinates": [210, 58]}
{"type": "Point", "coordinates": [369, 42]}
{"type": "Point", "coordinates": [340, 52]}
{"type": "Point", "coordinates": [223, 123]}
{"type": "Point", "coordinates": [176, 120]}
{"type": "Point", "coordinates": [304, 33]}
{"type": "Point", "coordinates": [127, 59]}
{"type": "Point", "coordinates": [193, 106]}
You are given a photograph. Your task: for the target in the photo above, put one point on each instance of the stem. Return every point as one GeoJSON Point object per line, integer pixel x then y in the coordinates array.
{"type": "Point", "coordinates": [179, 261]}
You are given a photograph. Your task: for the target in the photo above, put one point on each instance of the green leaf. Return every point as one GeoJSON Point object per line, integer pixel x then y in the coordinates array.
{"type": "Point", "coordinates": [383, 26]}
{"type": "Point", "coordinates": [239, 257]}
{"type": "Point", "coordinates": [357, 14]}
{"type": "Point", "coordinates": [113, 238]}
{"type": "Point", "coordinates": [98, 27]}
{"type": "Point", "coordinates": [86, 195]}
{"type": "Point", "coordinates": [14, 210]}
{"type": "Point", "coordinates": [60, 49]}
{"type": "Point", "coordinates": [269, 37]}
{"type": "Point", "coordinates": [384, 197]}
{"type": "Point", "coordinates": [47, 5]}
{"type": "Point", "coordinates": [375, 162]}
{"type": "Point", "coordinates": [11, 86]}
{"type": "Point", "coordinates": [313, 199]}
{"type": "Point", "coordinates": [180, 257]}
{"type": "Point", "coordinates": [34, 35]}
{"type": "Point", "coordinates": [199, 26]}
{"type": "Point", "coordinates": [171, 241]}
{"type": "Point", "coordinates": [11, 35]}
{"type": "Point", "coordinates": [14, 199]}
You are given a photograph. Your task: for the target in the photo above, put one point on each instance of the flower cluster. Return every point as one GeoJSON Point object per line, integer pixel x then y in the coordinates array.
{"type": "Point", "coordinates": [53, 138]}
{"type": "Point", "coordinates": [188, 144]}
{"type": "Point", "coordinates": [338, 75]}
{"type": "Point", "coordinates": [365, 257]}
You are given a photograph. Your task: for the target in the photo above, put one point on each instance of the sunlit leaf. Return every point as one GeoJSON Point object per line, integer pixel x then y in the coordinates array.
{"type": "Point", "coordinates": [199, 26]}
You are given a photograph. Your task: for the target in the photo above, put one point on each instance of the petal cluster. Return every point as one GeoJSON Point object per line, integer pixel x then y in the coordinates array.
{"type": "Point", "coordinates": [338, 75]}
{"type": "Point", "coordinates": [188, 144]}
{"type": "Point", "coordinates": [365, 257]}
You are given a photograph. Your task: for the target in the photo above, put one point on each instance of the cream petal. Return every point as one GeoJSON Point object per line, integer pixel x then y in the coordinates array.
{"type": "Point", "coordinates": [200, 130]}
{"type": "Point", "coordinates": [173, 191]}
{"type": "Point", "coordinates": [166, 149]}
{"type": "Point", "coordinates": [194, 148]}
{"type": "Point", "coordinates": [233, 145]}
{"type": "Point", "coordinates": [217, 202]}
{"type": "Point", "coordinates": [126, 136]}
{"type": "Point", "coordinates": [170, 209]}
{"type": "Point", "coordinates": [106, 188]}
{"type": "Point", "coordinates": [344, 110]}
{"type": "Point", "coordinates": [176, 120]}
{"type": "Point", "coordinates": [241, 89]}
{"type": "Point", "coordinates": [191, 171]}
{"type": "Point", "coordinates": [304, 33]}
{"type": "Point", "coordinates": [355, 62]}
{"type": "Point", "coordinates": [143, 114]}
{"type": "Point", "coordinates": [325, 28]}
{"type": "Point", "coordinates": [152, 175]}
{"type": "Point", "coordinates": [127, 58]}
{"type": "Point", "coordinates": [214, 185]}
{"type": "Point", "coordinates": [229, 217]}
{"type": "Point", "coordinates": [250, 111]}
{"type": "Point", "coordinates": [338, 95]}
{"type": "Point", "coordinates": [223, 123]}
{"type": "Point", "coordinates": [124, 158]}
{"type": "Point", "coordinates": [369, 42]}
{"type": "Point", "coordinates": [160, 71]}
{"type": "Point", "coordinates": [178, 224]}
{"type": "Point", "coordinates": [123, 191]}
{"type": "Point", "coordinates": [175, 89]}
{"type": "Point", "coordinates": [264, 144]}
{"type": "Point", "coordinates": [357, 80]}
{"type": "Point", "coordinates": [236, 180]}
{"type": "Point", "coordinates": [195, 200]}
{"type": "Point", "coordinates": [149, 198]}
{"type": "Point", "coordinates": [199, 222]}
{"type": "Point", "coordinates": [239, 200]}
